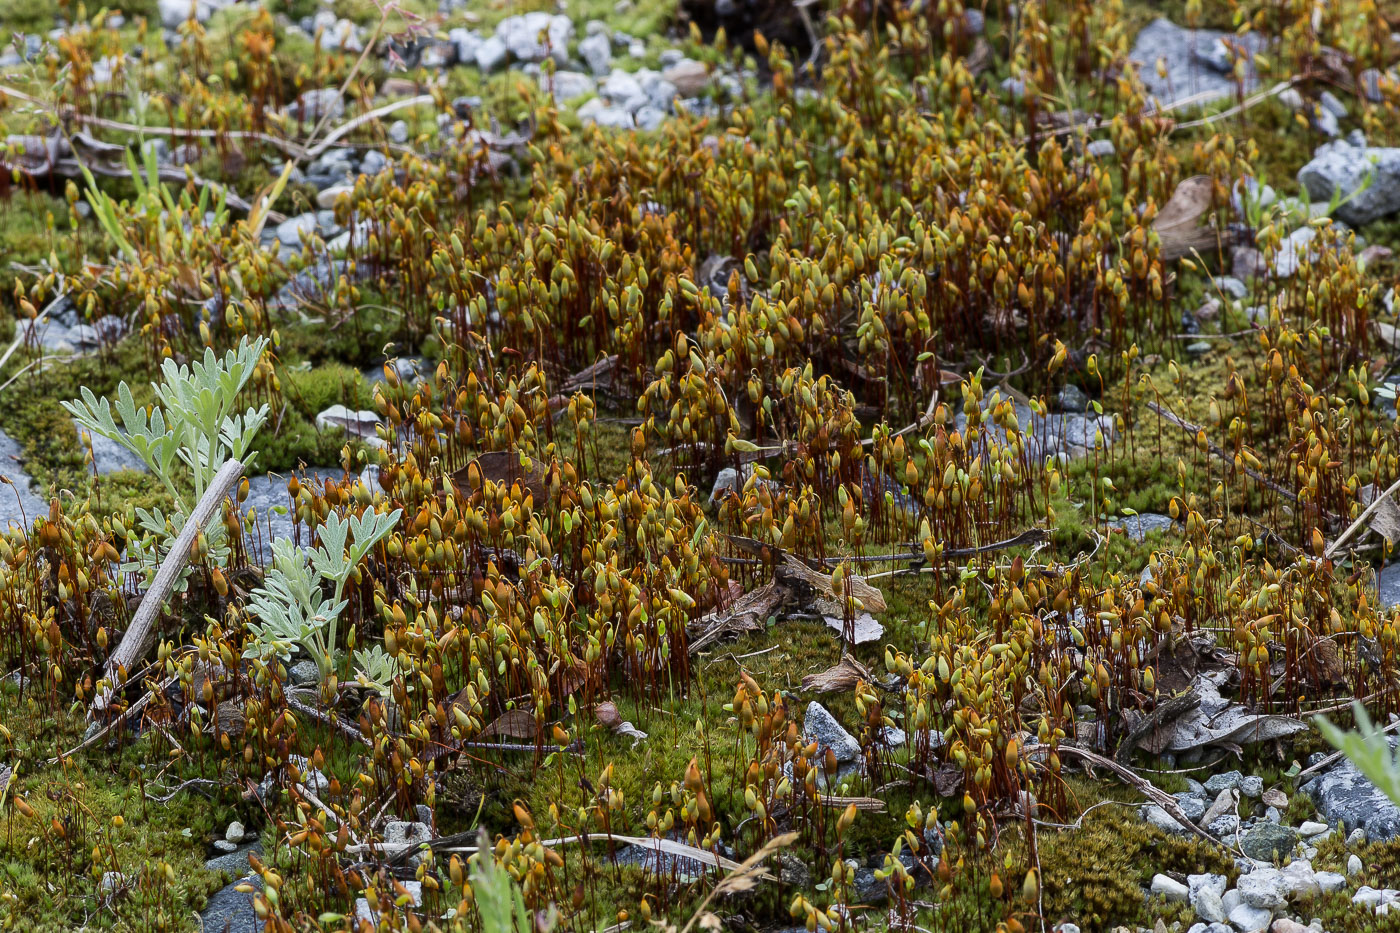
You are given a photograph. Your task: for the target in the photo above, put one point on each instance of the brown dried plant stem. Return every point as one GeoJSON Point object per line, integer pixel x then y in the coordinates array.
{"type": "Point", "coordinates": [134, 640]}
{"type": "Point", "coordinates": [1161, 798]}
{"type": "Point", "coordinates": [1196, 430]}
{"type": "Point", "coordinates": [1346, 536]}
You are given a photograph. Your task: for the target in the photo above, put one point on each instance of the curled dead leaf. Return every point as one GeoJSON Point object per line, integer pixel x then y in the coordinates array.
{"type": "Point", "coordinates": [514, 724]}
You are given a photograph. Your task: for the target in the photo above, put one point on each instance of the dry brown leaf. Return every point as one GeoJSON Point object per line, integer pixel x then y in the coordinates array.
{"type": "Point", "coordinates": [504, 467]}
{"type": "Point", "coordinates": [838, 678]}
{"type": "Point", "coordinates": [1177, 223]}
{"type": "Point", "coordinates": [514, 724]}
{"type": "Point", "coordinates": [1385, 520]}
{"type": "Point", "coordinates": [948, 780]}
{"type": "Point", "coordinates": [870, 598]}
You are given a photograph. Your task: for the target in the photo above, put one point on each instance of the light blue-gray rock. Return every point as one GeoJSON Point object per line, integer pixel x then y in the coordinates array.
{"type": "Point", "coordinates": [291, 231]}
{"type": "Point", "coordinates": [1264, 887]}
{"type": "Point", "coordinates": [1339, 166]}
{"type": "Point", "coordinates": [1249, 919]}
{"type": "Point", "coordinates": [622, 89]}
{"type": "Point", "coordinates": [1227, 780]}
{"type": "Point", "coordinates": [1139, 526]}
{"type": "Point", "coordinates": [19, 502]}
{"type": "Point", "coordinates": [818, 725]}
{"type": "Point", "coordinates": [1292, 251]}
{"type": "Point", "coordinates": [596, 52]}
{"type": "Point", "coordinates": [1169, 889]}
{"type": "Point", "coordinates": [523, 34]}
{"type": "Point", "coordinates": [1158, 818]}
{"type": "Point", "coordinates": [491, 54]}
{"type": "Point", "coordinates": [1342, 793]}
{"type": "Point", "coordinates": [568, 85]}
{"type": "Point", "coordinates": [1231, 286]}
{"type": "Point", "coordinates": [597, 112]}
{"type": "Point", "coordinates": [1191, 61]}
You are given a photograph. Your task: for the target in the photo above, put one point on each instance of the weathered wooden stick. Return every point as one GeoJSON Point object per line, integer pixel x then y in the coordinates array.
{"type": "Point", "coordinates": [129, 650]}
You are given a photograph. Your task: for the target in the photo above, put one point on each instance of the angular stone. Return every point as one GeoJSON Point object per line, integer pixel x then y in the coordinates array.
{"type": "Point", "coordinates": [1267, 842]}
{"type": "Point", "coordinates": [1186, 74]}
{"type": "Point", "coordinates": [1248, 919]}
{"type": "Point", "coordinates": [821, 727]}
{"type": "Point", "coordinates": [1264, 887]}
{"type": "Point", "coordinates": [1169, 888]}
{"type": "Point", "coordinates": [1342, 793]}
{"type": "Point", "coordinates": [1340, 166]}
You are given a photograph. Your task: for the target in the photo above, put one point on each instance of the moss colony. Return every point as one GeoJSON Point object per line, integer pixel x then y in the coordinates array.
{"type": "Point", "coordinates": [755, 465]}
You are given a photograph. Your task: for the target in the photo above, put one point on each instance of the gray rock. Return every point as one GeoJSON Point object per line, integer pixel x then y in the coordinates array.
{"type": "Point", "coordinates": [1071, 398]}
{"type": "Point", "coordinates": [491, 54]}
{"type": "Point", "coordinates": [224, 846]}
{"type": "Point", "coordinates": [1356, 838]}
{"type": "Point", "coordinates": [235, 832]}
{"type": "Point", "coordinates": [235, 863]}
{"type": "Point", "coordinates": [373, 162]}
{"type": "Point", "coordinates": [361, 424]}
{"type": "Point", "coordinates": [465, 42]}
{"type": "Point", "coordinates": [1246, 262]}
{"type": "Point", "coordinates": [1059, 433]}
{"type": "Point", "coordinates": [1292, 251]}
{"type": "Point", "coordinates": [1381, 900]}
{"type": "Point", "coordinates": [398, 132]}
{"type": "Point", "coordinates": [401, 832]}
{"type": "Point", "coordinates": [1342, 793]}
{"type": "Point", "coordinates": [304, 674]}
{"type": "Point", "coordinates": [1249, 919]}
{"type": "Point", "coordinates": [1139, 526]}
{"type": "Point", "coordinates": [1329, 882]}
{"type": "Point", "coordinates": [1158, 818]}
{"type": "Point", "coordinates": [1329, 102]}
{"type": "Point", "coordinates": [522, 35]}
{"type": "Point", "coordinates": [1228, 780]}
{"type": "Point", "coordinates": [1369, 83]}
{"type": "Point", "coordinates": [312, 105]}
{"type": "Point", "coordinates": [622, 89]}
{"type": "Point", "coordinates": [1300, 879]}
{"type": "Point", "coordinates": [597, 112]}
{"type": "Point", "coordinates": [291, 230]}
{"type": "Point", "coordinates": [1268, 842]}
{"type": "Point", "coordinates": [1354, 866]}
{"type": "Point", "coordinates": [1264, 888]}
{"type": "Point", "coordinates": [19, 504]}
{"type": "Point", "coordinates": [649, 117]}
{"type": "Point", "coordinates": [1252, 787]}
{"type": "Point", "coordinates": [229, 910]}
{"type": "Point", "coordinates": [1209, 907]}
{"type": "Point", "coordinates": [660, 92]}
{"type": "Point", "coordinates": [267, 494]}
{"type": "Point", "coordinates": [1340, 166]}
{"type": "Point", "coordinates": [173, 13]}
{"type": "Point", "coordinates": [821, 727]}
{"type": "Point", "coordinates": [1169, 888]}
{"type": "Point", "coordinates": [569, 85]}
{"type": "Point", "coordinates": [1231, 286]}
{"type": "Point", "coordinates": [364, 913]}
{"type": "Point", "coordinates": [1188, 72]}
{"type": "Point", "coordinates": [1100, 149]}
{"type": "Point", "coordinates": [110, 457]}
{"type": "Point", "coordinates": [596, 52]}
